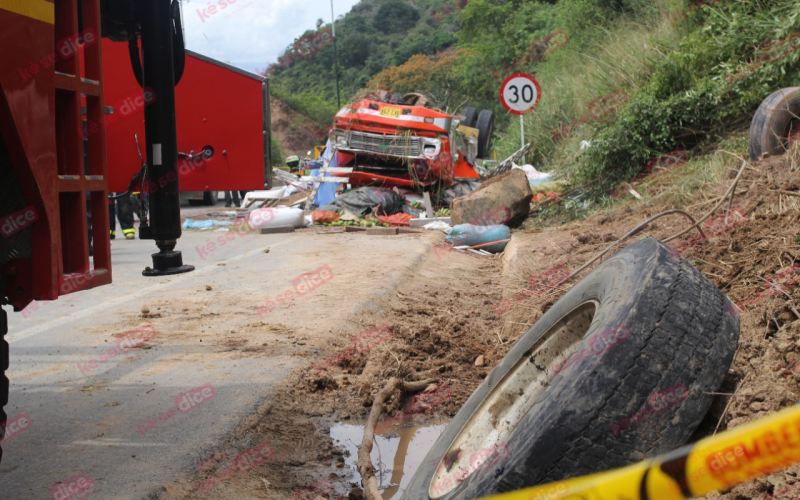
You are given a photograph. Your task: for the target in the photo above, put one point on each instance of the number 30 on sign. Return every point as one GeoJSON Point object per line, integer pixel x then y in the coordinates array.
{"type": "Point", "coordinates": [520, 93]}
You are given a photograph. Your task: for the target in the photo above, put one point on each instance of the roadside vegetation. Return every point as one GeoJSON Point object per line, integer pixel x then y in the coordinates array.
{"type": "Point", "coordinates": [692, 73]}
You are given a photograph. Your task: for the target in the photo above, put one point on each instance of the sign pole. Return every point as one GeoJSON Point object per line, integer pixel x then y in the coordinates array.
{"type": "Point", "coordinates": [520, 93]}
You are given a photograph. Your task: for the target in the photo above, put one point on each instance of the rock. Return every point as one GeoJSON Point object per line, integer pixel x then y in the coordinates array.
{"type": "Point", "coordinates": [479, 361]}
{"type": "Point", "coordinates": [208, 288]}
{"type": "Point", "coordinates": [504, 199]}
{"type": "Point", "coordinates": [266, 250]}
{"type": "Point", "coordinates": [145, 310]}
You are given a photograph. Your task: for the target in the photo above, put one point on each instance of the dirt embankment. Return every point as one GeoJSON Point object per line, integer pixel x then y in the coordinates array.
{"type": "Point", "coordinates": [759, 243]}
{"type": "Point", "coordinates": [444, 316]}
{"type": "Point", "coordinates": [296, 134]}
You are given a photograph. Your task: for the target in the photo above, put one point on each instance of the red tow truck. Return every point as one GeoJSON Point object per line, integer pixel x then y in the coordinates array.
{"type": "Point", "coordinates": [53, 173]}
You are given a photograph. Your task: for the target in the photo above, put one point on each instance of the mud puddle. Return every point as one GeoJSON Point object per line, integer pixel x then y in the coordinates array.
{"type": "Point", "coordinates": [396, 453]}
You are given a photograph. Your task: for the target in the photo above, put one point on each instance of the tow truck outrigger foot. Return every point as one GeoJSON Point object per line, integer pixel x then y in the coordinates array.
{"type": "Point", "coordinates": [167, 261]}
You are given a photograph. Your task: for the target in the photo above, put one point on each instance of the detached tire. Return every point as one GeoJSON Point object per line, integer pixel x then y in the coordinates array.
{"type": "Point", "coordinates": [643, 322]}
{"type": "Point", "coordinates": [776, 120]}
{"type": "Point", "coordinates": [470, 116]}
{"type": "Point", "coordinates": [485, 126]}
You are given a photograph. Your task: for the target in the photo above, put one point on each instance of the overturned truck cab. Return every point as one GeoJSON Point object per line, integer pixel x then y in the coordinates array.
{"type": "Point", "coordinates": [398, 141]}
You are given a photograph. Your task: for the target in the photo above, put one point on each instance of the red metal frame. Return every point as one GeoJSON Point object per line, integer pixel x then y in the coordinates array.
{"type": "Point", "coordinates": [40, 121]}
{"type": "Point", "coordinates": [216, 105]}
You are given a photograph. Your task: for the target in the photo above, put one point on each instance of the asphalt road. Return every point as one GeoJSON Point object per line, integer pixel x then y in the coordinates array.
{"type": "Point", "coordinates": [121, 422]}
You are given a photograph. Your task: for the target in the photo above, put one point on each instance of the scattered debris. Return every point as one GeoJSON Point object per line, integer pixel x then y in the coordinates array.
{"type": "Point", "coordinates": [426, 222]}
{"type": "Point", "coordinates": [364, 201]}
{"type": "Point", "coordinates": [509, 162]}
{"type": "Point", "coordinates": [205, 224]}
{"type": "Point", "coordinates": [401, 219]}
{"type": "Point", "coordinates": [489, 238]}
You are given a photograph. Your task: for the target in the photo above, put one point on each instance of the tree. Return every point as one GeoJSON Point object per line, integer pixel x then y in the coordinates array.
{"type": "Point", "coordinates": [394, 17]}
{"type": "Point", "coordinates": [433, 75]}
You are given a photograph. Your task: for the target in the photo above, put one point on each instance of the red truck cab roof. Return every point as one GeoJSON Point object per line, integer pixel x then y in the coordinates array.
{"type": "Point", "coordinates": [366, 112]}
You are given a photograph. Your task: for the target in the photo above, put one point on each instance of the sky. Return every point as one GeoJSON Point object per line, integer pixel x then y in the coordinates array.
{"type": "Point", "coordinates": [250, 34]}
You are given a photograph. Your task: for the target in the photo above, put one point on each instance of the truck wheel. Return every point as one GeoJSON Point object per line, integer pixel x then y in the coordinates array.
{"type": "Point", "coordinates": [3, 379]}
{"type": "Point", "coordinates": [485, 126]}
{"type": "Point", "coordinates": [470, 115]}
{"type": "Point", "coordinates": [776, 122]}
{"type": "Point", "coordinates": [619, 369]}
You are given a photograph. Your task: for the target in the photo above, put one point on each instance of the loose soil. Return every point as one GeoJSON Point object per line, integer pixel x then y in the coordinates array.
{"type": "Point", "coordinates": [295, 133]}
{"type": "Point", "coordinates": [442, 318]}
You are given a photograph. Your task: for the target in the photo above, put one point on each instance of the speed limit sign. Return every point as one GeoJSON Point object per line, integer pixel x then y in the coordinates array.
{"type": "Point", "coordinates": [520, 93]}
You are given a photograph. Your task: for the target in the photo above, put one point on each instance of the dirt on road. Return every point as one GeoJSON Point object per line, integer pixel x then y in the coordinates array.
{"type": "Point", "coordinates": [454, 308]}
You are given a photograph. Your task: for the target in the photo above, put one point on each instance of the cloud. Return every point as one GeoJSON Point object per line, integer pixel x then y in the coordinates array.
{"type": "Point", "coordinates": [251, 34]}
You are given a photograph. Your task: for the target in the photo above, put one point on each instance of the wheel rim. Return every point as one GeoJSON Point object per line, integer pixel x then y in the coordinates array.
{"type": "Point", "coordinates": [485, 433]}
{"type": "Point", "coordinates": [791, 133]}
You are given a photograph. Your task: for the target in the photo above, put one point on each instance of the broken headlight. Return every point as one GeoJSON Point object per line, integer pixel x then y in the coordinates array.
{"type": "Point", "coordinates": [340, 137]}
{"type": "Point", "coordinates": [430, 147]}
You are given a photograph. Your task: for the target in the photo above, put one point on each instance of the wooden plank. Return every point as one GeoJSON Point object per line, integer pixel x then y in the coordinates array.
{"type": "Point", "coordinates": [337, 170]}
{"type": "Point", "coordinates": [382, 231]}
{"type": "Point", "coordinates": [315, 188]}
{"type": "Point", "coordinates": [285, 176]}
{"type": "Point", "coordinates": [426, 199]}
{"type": "Point", "coordinates": [327, 179]}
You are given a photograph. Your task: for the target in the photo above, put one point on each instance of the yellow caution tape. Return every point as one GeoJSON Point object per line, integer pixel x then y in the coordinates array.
{"type": "Point", "coordinates": [719, 462]}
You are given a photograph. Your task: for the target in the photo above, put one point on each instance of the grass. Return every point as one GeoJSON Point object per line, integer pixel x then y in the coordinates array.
{"type": "Point", "coordinates": [575, 75]}
{"type": "Point", "coordinates": [679, 96]}
{"type": "Point", "coordinates": [675, 77]}
{"type": "Point", "coordinates": [677, 187]}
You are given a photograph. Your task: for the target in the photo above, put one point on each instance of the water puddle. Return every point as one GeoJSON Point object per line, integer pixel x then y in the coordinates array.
{"type": "Point", "coordinates": [397, 453]}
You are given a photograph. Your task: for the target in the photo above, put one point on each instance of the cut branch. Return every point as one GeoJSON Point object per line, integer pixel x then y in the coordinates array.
{"type": "Point", "coordinates": [364, 463]}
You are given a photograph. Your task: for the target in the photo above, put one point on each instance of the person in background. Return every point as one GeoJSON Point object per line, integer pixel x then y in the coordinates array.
{"type": "Point", "coordinates": [232, 195]}
{"type": "Point", "coordinates": [293, 162]}
{"type": "Point", "coordinates": [123, 208]}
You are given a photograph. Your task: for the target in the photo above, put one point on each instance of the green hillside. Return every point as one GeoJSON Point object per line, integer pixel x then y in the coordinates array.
{"type": "Point", "coordinates": [374, 35]}
{"type": "Point", "coordinates": [687, 75]}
